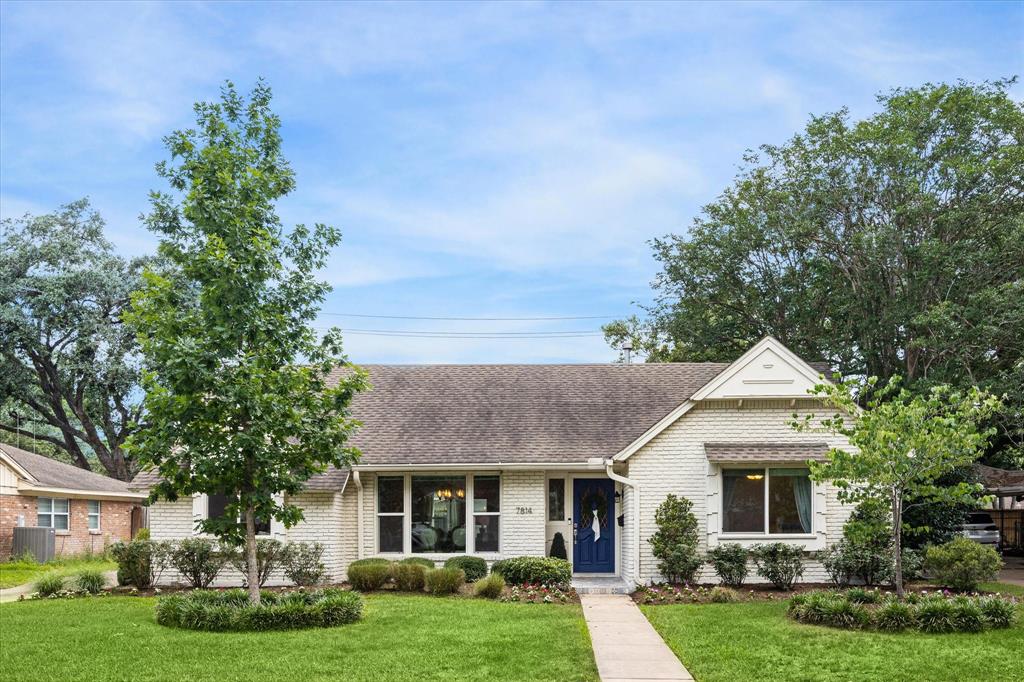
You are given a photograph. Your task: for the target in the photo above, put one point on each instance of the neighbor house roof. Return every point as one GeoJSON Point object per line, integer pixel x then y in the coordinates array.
{"type": "Point", "coordinates": [765, 452]}
{"type": "Point", "coordinates": [332, 480]}
{"type": "Point", "coordinates": [44, 473]}
{"type": "Point", "coordinates": [1002, 482]}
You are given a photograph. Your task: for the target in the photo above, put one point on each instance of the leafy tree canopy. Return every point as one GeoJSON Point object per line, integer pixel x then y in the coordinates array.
{"type": "Point", "coordinates": [238, 396]}
{"type": "Point", "coordinates": [904, 444]}
{"type": "Point", "coordinates": [70, 371]}
{"type": "Point", "coordinates": [888, 246]}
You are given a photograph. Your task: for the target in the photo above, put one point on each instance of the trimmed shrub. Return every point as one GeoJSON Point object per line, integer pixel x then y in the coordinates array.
{"type": "Point", "coordinates": [90, 580]}
{"type": "Point", "coordinates": [230, 610]}
{"type": "Point", "coordinates": [674, 544]}
{"type": "Point", "coordinates": [730, 563]}
{"type": "Point", "coordinates": [723, 595]}
{"type": "Point", "coordinates": [558, 547]}
{"type": "Point", "coordinates": [445, 580]}
{"type": "Point", "coordinates": [367, 577]}
{"type": "Point", "coordinates": [198, 560]}
{"type": "Point", "coordinates": [490, 587]}
{"type": "Point", "coordinates": [409, 577]}
{"type": "Point", "coordinates": [534, 569]}
{"type": "Point", "coordinates": [140, 563]}
{"type": "Point", "coordinates": [303, 563]}
{"type": "Point", "coordinates": [961, 564]}
{"type": "Point", "coordinates": [270, 555]}
{"type": "Point", "coordinates": [49, 584]}
{"type": "Point", "coordinates": [370, 562]}
{"type": "Point", "coordinates": [998, 612]}
{"type": "Point", "coordinates": [419, 561]}
{"type": "Point", "coordinates": [779, 563]}
{"type": "Point", "coordinates": [473, 566]}
{"type": "Point", "coordinates": [838, 563]}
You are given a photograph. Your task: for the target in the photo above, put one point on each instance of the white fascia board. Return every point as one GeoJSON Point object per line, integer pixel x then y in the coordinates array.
{"type": "Point", "coordinates": [487, 466]}
{"type": "Point", "coordinates": [84, 494]}
{"type": "Point", "coordinates": [18, 469]}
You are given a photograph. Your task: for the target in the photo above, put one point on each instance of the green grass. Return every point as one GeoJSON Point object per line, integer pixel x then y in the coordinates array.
{"type": "Point", "coordinates": [14, 573]}
{"type": "Point", "coordinates": [755, 641]}
{"type": "Point", "coordinates": [401, 637]}
{"type": "Point", "coordinates": [1004, 588]}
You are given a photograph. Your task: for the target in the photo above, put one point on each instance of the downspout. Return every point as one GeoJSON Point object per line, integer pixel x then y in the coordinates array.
{"type": "Point", "coordinates": [608, 464]}
{"type": "Point", "coordinates": [359, 514]}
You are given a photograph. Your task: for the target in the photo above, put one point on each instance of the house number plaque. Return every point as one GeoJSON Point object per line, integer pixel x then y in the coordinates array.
{"type": "Point", "coordinates": [524, 510]}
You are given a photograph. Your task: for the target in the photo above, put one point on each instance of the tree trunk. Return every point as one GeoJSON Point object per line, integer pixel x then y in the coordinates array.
{"type": "Point", "coordinates": [252, 570]}
{"type": "Point", "coordinates": [897, 526]}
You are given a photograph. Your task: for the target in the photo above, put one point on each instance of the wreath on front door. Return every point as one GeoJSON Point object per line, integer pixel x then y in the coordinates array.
{"type": "Point", "coordinates": [590, 500]}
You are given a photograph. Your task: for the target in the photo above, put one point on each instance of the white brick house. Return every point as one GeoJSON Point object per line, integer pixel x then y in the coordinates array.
{"type": "Point", "coordinates": [494, 460]}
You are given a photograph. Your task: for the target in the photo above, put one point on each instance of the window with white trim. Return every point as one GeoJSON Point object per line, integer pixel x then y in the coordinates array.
{"type": "Point", "coordinates": [390, 513]}
{"type": "Point", "coordinates": [438, 513]}
{"type": "Point", "coordinates": [767, 501]}
{"type": "Point", "coordinates": [486, 513]}
{"type": "Point", "coordinates": [53, 513]}
{"type": "Point", "coordinates": [94, 514]}
{"type": "Point", "coordinates": [216, 506]}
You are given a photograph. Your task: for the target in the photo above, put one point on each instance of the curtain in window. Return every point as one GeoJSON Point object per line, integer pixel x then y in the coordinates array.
{"type": "Point", "coordinates": [728, 491]}
{"type": "Point", "coordinates": [801, 494]}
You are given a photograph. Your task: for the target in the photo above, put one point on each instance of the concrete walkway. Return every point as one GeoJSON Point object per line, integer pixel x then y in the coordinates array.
{"type": "Point", "coordinates": [626, 647]}
{"type": "Point", "coordinates": [1013, 570]}
{"type": "Point", "coordinates": [12, 593]}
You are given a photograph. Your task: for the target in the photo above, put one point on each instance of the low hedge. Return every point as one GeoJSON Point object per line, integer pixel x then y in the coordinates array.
{"type": "Point", "coordinates": [473, 566]}
{"type": "Point", "coordinates": [932, 613]}
{"type": "Point", "coordinates": [230, 610]}
{"type": "Point", "coordinates": [409, 577]}
{"type": "Point", "coordinates": [445, 580]}
{"type": "Point", "coordinates": [369, 574]}
{"type": "Point", "coordinates": [534, 569]}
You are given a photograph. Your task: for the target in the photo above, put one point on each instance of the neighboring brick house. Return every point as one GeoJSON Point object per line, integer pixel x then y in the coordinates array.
{"type": "Point", "coordinates": [87, 510]}
{"type": "Point", "coordinates": [493, 460]}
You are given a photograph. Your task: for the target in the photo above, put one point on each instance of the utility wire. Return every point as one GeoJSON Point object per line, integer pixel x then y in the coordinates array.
{"type": "Point", "coordinates": [470, 319]}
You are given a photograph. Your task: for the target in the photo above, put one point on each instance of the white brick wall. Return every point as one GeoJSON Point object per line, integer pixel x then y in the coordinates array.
{"type": "Point", "coordinates": [674, 462]}
{"type": "Point", "coordinates": [322, 523]}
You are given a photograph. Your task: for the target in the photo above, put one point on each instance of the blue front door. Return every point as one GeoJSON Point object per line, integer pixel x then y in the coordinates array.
{"type": "Point", "coordinates": [593, 517]}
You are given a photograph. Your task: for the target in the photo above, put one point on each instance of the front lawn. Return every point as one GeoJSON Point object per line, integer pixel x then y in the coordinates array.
{"type": "Point", "coordinates": [755, 640]}
{"type": "Point", "coordinates": [14, 573]}
{"type": "Point", "coordinates": [401, 637]}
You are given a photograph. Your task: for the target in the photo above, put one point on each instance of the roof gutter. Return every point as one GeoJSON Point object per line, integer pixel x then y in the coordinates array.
{"type": "Point", "coordinates": [608, 468]}
{"type": "Point", "coordinates": [359, 513]}
{"type": "Point", "coordinates": [483, 466]}
{"type": "Point", "coordinates": [76, 492]}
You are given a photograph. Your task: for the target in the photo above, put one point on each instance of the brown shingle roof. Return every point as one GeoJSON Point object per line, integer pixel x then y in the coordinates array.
{"type": "Point", "coordinates": [508, 414]}
{"type": "Point", "coordinates": [765, 452]}
{"type": "Point", "coordinates": [500, 414]}
{"type": "Point", "coordinates": [329, 481]}
{"type": "Point", "coordinates": [51, 473]}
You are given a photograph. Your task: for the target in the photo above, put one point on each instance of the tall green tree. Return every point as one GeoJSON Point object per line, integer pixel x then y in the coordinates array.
{"type": "Point", "coordinates": [238, 396]}
{"type": "Point", "coordinates": [905, 443]}
{"type": "Point", "coordinates": [69, 366]}
{"type": "Point", "coordinates": [892, 245]}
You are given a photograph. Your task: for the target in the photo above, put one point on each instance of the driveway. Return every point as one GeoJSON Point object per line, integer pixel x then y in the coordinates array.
{"type": "Point", "coordinates": [1013, 570]}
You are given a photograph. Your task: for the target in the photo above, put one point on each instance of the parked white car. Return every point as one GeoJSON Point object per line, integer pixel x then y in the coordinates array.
{"type": "Point", "coordinates": [981, 529]}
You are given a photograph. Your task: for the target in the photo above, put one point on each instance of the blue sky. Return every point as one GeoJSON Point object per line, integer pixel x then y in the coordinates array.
{"type": "Point", "coordinates": [482, 160]}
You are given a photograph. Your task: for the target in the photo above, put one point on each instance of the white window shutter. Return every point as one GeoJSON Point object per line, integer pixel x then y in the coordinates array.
{"type": "Point", "coordinates": [199, 507]}
{"type": "Point", "coordinates": [277, 529]}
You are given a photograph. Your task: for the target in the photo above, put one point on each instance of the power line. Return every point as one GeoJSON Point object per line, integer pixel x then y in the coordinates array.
{"type": "Point", "coordinates": [471, 319]}
{"type": "Point", "coordinates": [470, 335]}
